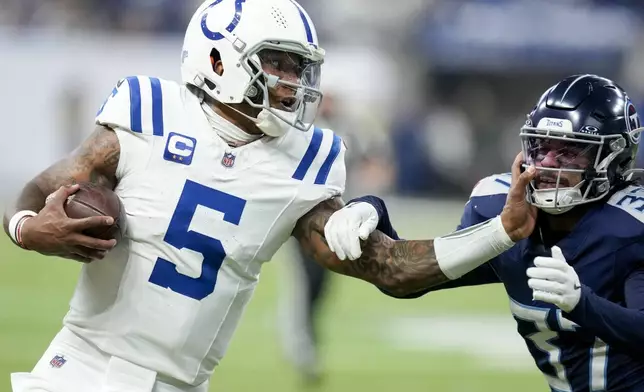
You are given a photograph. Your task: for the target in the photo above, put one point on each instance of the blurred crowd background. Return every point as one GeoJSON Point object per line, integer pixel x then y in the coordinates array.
{"type": "Point", "coordinates": [429, 94]}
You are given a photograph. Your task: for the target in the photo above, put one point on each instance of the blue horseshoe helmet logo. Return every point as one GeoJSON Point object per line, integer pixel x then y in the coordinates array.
{"type": "Point", "coordinates": [215, 35]}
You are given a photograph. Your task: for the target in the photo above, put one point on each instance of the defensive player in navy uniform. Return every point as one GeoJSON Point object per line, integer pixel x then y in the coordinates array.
{"type": "Point", "coordinates": [576, 285]}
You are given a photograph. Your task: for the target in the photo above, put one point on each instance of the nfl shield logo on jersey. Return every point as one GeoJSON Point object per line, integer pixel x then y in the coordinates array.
{"type": "Point", "coordinates": [228, 160]}
{"type": "Point", "coordinates": [58, 361]}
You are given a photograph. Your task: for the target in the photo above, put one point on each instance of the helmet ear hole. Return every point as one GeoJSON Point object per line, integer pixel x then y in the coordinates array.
{"type": "Point", "coordinates": [215, 57]}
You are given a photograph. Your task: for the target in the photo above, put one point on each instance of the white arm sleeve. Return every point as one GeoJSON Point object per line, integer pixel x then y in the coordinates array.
{"type": "Point", "coordinates": [462, 251]}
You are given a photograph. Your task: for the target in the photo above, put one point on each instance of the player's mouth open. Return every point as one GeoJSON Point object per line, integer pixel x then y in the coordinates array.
{"type": "Point", "coordinates": [288, 103]}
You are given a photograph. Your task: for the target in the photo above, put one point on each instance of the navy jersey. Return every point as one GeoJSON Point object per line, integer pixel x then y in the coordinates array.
{"type": "Point", "coordinates": [599, 346]}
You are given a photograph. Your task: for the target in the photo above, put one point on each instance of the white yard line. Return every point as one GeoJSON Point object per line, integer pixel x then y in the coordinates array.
{"type": "Point", "coordinates": [492, 340]}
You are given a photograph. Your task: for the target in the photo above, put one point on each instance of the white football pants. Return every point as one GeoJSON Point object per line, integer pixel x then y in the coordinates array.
{"type": "Point", "coordinates": [84, 368]}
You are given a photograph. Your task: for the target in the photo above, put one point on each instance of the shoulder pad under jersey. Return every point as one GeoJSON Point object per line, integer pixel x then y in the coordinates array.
{"type": "Point", "coordinates": [488, 196]}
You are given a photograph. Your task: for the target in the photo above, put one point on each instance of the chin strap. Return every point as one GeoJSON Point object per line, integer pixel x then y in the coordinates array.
{"type": "Point", "coordinates": [232, 134]}
{"type": "Point", "coordinates": [267, 122]}
{"type": "Point", "coordinates": [229, 132]}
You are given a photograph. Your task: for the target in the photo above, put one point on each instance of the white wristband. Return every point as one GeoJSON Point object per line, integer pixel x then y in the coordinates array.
{"type": "Point", "coordinates": [15, 225]}
{"type": "Point", "coordinates": [462, 251]}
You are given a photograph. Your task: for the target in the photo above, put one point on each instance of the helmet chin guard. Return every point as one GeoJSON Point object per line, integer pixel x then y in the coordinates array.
{"type": "Point", "coordinates": [556, 201]}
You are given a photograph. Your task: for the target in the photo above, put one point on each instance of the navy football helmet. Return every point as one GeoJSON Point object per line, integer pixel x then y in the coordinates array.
{"type": "Point", "coordinates": [582, 136]}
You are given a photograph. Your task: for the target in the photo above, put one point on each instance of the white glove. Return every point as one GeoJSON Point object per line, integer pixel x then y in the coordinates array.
{"type": "Point", "coordinates": [554, 281]}
{"type": "Point", "coordinates": [346, 227]}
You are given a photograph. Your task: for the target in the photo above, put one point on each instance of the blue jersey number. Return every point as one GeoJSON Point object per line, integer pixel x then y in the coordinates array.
{"type": "Point", "coordinates": [165, 273]}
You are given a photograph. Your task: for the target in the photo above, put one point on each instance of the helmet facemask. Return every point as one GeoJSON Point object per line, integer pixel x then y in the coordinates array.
{"type": "Point", "coordinates": [284, 84]}
{"type": "Point", "coordinates": [573, 168]}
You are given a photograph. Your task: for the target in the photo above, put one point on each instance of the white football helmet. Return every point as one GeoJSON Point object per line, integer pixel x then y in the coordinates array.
{"type": "Point", "coordinates": [265, 46]}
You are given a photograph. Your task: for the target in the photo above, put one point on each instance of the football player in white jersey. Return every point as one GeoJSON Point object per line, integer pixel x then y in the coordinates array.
{"type": "Point", "coordinates": [215, 174]}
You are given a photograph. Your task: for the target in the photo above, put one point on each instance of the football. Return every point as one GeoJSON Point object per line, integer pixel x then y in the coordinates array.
{"type": "Point", "coordinates": [97, 200]}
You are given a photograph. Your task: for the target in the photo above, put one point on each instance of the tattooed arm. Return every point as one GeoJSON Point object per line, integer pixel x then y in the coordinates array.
{"type": "Point", "coordinates": [399, 267]}
{"type": "Point", "coordinates": [95, 160]}
{"type": "Point", "coordinates": [402, 268]}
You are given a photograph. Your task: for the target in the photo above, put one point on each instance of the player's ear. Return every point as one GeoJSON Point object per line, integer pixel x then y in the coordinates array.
{"type": "Point", "coordinates": [217, 66]}
{"type": "Point", "coordinates": [215, 60]}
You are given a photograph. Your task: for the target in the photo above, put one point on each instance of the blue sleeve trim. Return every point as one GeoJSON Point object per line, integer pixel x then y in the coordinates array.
{"type": "Point", "coordinates": [157, 107]}
{"type": "Point", "coordinates": [309, 156]}
{"type": "Point", "coordinates": [323, 174]}
{"type": "Point", "coordinates": [135, 104]}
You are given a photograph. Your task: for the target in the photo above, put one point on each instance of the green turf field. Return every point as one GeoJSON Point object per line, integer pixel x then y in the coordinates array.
{"type": "Point", "coordinates": [450, 341]}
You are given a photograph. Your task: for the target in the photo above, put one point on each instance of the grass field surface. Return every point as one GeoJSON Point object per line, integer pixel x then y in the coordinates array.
{"type": "Point", "coordinates": [459, 340]}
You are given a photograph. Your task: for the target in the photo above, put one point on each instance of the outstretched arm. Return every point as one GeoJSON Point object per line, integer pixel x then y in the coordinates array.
{"type": "Point", "coordinates": [483, 274]}
{"type": "Point", "coordinates": [400, 267]}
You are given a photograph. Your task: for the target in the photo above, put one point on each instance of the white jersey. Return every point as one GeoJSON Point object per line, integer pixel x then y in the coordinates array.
{"type": "Point", "coordinates": [202, 218]}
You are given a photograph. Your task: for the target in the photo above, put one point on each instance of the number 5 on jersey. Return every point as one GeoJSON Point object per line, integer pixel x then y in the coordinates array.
{"type": "Point", "coordinates": [165, 272]}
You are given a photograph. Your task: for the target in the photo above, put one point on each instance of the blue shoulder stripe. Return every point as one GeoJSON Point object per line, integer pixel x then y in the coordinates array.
{"type": "Point", "coordinates": [323, 174]}
{"type": "Point", "coordinates": [500, 181]}
{"type": "Point", "coordinates": [135, 104]}
{"type": "Point", "coordinates": [157, 107]}
{"type": "Point", "coordinates": [309, 156]}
